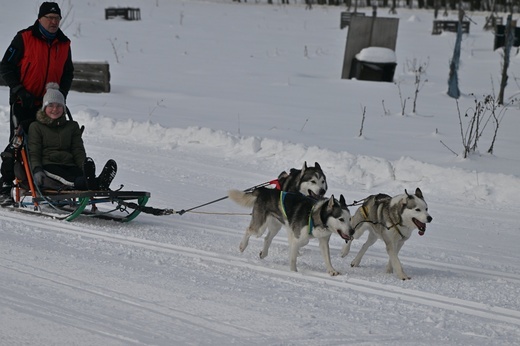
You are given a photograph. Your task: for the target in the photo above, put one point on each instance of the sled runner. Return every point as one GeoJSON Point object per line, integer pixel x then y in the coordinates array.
{"type": "Point", "coordinates": [123, 206]}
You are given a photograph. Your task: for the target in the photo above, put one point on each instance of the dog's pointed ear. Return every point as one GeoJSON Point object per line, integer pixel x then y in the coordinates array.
{"type": "Point", "coordinates": [407, 194]}
{"type": "Point", "coordinates": [330, 204]}
{"type": "Point", "coordinates": [418, 193]}
{"type": "Point", "coordinates": [342, 202]}
{"type": "Point", "coordinates": [302, 171]}
{"type": "Point", "coordinates": [282, 175]}
{"type": "Point", "coordinates": [317, 165]}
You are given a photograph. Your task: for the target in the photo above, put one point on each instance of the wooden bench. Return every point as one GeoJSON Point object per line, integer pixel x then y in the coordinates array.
{"type": "Point", "coordinates": [127, 13]}
{"type": "Point", "coordinates": [449, 25]}
{"type": "Point", "coordinates": [89, 77]}
{"type": "Point", "coordinates": [346, 17]}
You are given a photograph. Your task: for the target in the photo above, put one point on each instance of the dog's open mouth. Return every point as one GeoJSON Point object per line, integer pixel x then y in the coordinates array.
{"type": "Point", "coordinates": [420, 226]}
{"type": "Point", "coordinates": [344, 236]}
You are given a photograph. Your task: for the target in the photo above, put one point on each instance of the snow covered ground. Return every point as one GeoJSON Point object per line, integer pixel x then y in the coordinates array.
{"type": "Point", "coordinates": [213, 95]}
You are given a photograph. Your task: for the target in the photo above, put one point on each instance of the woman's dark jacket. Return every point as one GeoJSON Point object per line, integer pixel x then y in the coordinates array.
{"type": "Point", "coordinates": [55, 142]}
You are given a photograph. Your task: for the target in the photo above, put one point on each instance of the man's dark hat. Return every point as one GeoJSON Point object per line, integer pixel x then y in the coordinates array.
{"type": "Point", "coordinates": [49, 7]}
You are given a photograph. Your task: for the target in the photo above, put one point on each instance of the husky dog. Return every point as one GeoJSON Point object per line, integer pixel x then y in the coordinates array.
{"type": "Point", "coordinates": [309, 181]}
{"type": "Point", "coordinates": [304, 180]}
{"type": "Point", "coordinates": [304, 218]}
{"type": "Point", "coordinates": [391, 219]}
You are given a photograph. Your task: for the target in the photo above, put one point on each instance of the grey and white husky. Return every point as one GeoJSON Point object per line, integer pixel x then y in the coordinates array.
{"type": "Point", "coordinates": [304, 218]}
{"type": "Point", "coordinates": [304, 180]}
{"type": "Point", "coordinates": [391, 219]}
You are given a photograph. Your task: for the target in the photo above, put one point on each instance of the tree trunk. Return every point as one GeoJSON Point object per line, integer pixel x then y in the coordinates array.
{"type": "Point", "coordinates": [507, 50]}
{"type": "Point", "coordinates": [453, 79]}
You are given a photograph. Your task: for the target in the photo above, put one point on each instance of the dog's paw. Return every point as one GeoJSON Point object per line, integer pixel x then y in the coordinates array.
{"type": "Point", "coordinates": [333, 272]}
{"type": "Point", "coordinates": [402, 275]}
{"type": "Point", "coordinates": [263, 255]}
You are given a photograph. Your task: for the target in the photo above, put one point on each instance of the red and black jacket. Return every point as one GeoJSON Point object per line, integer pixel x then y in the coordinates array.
{"type": "Point", "coordinates": [32, 62]}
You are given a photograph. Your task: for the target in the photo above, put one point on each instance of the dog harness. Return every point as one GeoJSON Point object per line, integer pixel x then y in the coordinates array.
{"type": "Point", "coordinates": [310, 224]}
{"type": "Point", "coordinates": [364, 212]}
{"type": "Point", "coordinates": [282, 202]}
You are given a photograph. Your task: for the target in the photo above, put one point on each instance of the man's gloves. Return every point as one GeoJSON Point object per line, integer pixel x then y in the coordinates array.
{"type": "Point", "coordinates": [39, 176]}
{"type": "Point", "coordinates": [25, 97]}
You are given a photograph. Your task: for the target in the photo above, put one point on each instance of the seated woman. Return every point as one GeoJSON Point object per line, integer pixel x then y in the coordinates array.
{"type": "Point", "coordinates": [56, 152]}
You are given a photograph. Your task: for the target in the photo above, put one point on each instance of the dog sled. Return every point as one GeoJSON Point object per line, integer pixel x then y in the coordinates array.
{"type": "Point", "coordinates": [27, 197]}
{"type": "Point", "coordinates": [122, 206]}
{"type": "Point", "coordinates": [65, 204]}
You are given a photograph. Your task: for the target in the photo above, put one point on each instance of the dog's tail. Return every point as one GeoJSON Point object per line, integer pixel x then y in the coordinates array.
{"type": "Point", "coordinates": [245, 199]}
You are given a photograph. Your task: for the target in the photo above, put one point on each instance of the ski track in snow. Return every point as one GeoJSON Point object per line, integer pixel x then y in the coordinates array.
{"type": "Point", "coordinates": [364, 286]}
{"type": "Point", "coordinates": [93, 323]}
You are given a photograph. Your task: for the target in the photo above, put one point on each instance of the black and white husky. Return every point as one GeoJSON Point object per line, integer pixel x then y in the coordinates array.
{"type": "Point", "coordinates": [391, 219]}
{"type": "Point", "coordinates": [309, 181]}
{"type": "Point", "coordinates": [304, 180]}
{"type": "Point", "coordinates": [304, 218]}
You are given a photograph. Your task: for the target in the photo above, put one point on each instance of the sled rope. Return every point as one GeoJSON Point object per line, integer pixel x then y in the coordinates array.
{"type": "Point", "coordinates": [147, 209]}
{"type": "Point", "coordinates": [354, 203]}
{"type": "Point", "coordinates": [217, 213]}
{"type": "Point", "coordinates": [267, 183]}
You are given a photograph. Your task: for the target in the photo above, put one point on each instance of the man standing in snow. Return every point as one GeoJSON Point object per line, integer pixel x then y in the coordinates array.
{"type": "Point", "coordinates": [36, 56]}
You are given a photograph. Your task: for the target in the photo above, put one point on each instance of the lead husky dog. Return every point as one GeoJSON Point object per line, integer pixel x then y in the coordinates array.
{"type": "Point", "coordinates": [304, 180]}
{"type": "Point", "coordinates": [304, 218]}
{"type": "Point", "coordinates": [391, 219]}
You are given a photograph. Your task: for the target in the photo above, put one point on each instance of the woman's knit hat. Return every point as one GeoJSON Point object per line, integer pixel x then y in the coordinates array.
{"type": "Point", "coordinates": [53, 95]}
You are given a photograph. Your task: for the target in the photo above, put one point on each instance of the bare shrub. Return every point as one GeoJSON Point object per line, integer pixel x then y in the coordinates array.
{"type": "Point", "coordinates": [486, 111]}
